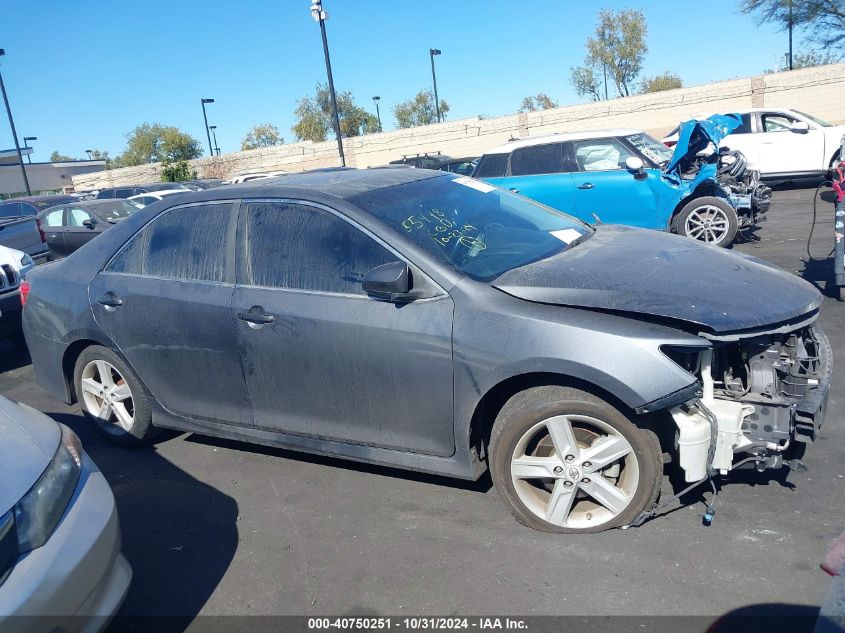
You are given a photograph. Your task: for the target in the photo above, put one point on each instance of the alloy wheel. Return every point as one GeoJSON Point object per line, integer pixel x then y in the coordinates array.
{"type": "Point", "coordinates": [106, 395]}
{"type": "Point", "coordinates": [707, 223]}
{"type": "Point", "coordinates": [574, 471]}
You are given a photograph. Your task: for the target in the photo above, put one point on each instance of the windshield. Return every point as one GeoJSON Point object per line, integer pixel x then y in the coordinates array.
{"type": "Point", "coordinates": [476, 229]}
{"type": "Point", "coordinates": [814, 119]}
{"type": "Point", "coordinates": [117, 210]}
{"type": "Point", "coordinates": [651, 148]}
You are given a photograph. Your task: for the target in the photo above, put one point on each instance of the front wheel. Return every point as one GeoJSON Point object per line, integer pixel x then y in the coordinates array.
{"type": "Point", "coordinates": [708, 219]}
{"type": "Point", "coordinates": [566, 461]}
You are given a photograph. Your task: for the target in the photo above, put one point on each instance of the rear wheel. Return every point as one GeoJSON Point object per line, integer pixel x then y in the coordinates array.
{"type": "Point", "coordinates": [567, 461]}
{"type": "Point", "coordinates": [112, 397]}
{"type": "Point", "coordinates": [708, 219]}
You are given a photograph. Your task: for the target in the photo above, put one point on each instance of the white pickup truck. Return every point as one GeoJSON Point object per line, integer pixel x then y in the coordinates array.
{"type": "Point", "coordinates": [783, 143]}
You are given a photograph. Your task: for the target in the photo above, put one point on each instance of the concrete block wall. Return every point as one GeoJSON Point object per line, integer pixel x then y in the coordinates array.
{"type": "Point", "coordinates": [819, 91]}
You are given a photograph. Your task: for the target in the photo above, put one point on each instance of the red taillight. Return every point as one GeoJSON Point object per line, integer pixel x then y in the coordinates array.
{"type": "Point", "coordinates": [40, 230]}
{"type": "Point", "coordinates": [670, 143]}
{"type": "Point", "coordinates": [24, 291]}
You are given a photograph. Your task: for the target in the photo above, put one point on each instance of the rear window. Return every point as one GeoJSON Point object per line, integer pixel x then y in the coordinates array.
{"type": "Point", "coordinates": [116, 210]}
{"type": "Point", "coordinates": [492, 166]}
{"type": "Point", "coordinates": [745, 126]}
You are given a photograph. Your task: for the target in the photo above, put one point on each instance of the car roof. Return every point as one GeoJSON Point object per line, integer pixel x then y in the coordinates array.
{"type": "Point", "coordinates": [558, 137]}
{"type": "Point", "coordinates": [40, 198]}
{"type": "Point", "coordinates": [86, 204]}
{"type": "Point", "coordinates": [336, 182]}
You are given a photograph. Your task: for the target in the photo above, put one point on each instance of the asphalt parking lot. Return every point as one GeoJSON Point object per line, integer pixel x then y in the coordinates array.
{"type": "Point", "coordinates": [218, 527]}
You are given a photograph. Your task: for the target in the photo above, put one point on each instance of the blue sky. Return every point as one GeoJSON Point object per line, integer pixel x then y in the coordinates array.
{"type": "Point", "coordinates": [82, 73]}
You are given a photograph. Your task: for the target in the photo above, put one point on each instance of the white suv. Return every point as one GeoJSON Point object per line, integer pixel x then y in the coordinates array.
{"type": "Point", "coordinates": [779, 142]}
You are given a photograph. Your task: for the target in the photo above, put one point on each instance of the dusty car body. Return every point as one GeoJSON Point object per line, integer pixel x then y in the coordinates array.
{"type": "Point", "coordinates": [436, 323]}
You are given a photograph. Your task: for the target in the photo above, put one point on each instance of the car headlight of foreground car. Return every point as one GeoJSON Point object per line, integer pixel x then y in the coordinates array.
{"type": "Point", "coordinates": [26, 260]}
{"type": "Point", "coordinates": [38, 513]}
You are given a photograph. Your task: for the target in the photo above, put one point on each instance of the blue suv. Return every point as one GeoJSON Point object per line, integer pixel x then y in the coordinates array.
{"type": "Point", "coordinates": [625, 176]}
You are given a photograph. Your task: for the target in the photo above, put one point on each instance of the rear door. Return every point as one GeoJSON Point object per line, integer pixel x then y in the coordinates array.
{"type": "Point", "coordinates": [165, 299]}
{"type": "Point", "coordinates": [606, 190]}
{"type": "Point", "coordinates": [541, 172]}
{"type": "Point", "coordinates": [321, 358]}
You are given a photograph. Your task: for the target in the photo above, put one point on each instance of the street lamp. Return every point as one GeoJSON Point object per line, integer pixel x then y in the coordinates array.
{"type": "Point", "coordinates": [378, 114]}
{"type": "Point", "coordinates": [25, 139]}
{"type": "Point", "coordinates": [205, 118]}
{"type": "Point", "coordinates": [214, 134]}
{"type": "Point", "coordinates": [14, 132]}
{"type": "Point", "coordinates": [432, 52]}
{"type": "Point", "coordinates": [321, 16]}
{"type": "Point", "coordinates": [89, 151]}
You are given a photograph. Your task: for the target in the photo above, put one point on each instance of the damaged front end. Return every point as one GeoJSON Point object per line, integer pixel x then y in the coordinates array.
{"type": "Point", "coordinates": [698, 161]}
{"type": "Point", "coordinates": [763, 397]}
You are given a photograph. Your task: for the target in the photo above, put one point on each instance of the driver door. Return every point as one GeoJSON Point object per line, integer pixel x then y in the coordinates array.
{"type": "Point", "coordinates": [787, 151]}
{"type": "Point", "coordinates": [607, 190]}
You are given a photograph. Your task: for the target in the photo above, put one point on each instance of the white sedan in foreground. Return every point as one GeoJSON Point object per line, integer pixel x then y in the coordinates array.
{"type": "Point", "coordinates": [60, 546]}
{"type": "Point", "coordinates": [782, 143]}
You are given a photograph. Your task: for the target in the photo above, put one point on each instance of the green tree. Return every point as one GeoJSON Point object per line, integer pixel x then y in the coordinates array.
{"type": "Point", "coordinates": [541, 101]}
{"type": "Point", "coordinates": [822, 20]}
{"type": "Point", "coordinates": [55, 157]}
{"type": "Point", "coordinates": [618, 49]}
{"type": "Point", "coordinates": [178, 171]}
{"type": "Point", "coordinates": [265, 135]}
{"type": "Point", "coordinates": [805, 59]}
{"type": "Point", "coordinates": [420, 110]}
{"type": "Point", "coordinates": [664, 81]}
{"type": "Point", "coordinates": [150, 143]}
{"type": "Point", "coordinates": [314, 118]}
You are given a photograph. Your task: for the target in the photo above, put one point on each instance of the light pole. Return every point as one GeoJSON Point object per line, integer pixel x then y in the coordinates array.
{"type": "Point", "coordinates": [321, 16]}
{"type": "Point", "coordinates": [378, 113]}
{"type": "Point", "coordinates": [25, 139]}
{"type": "Point", "coordinates": [790, 34]}
{"type": "Point", "coordinates": [432, 52]}
{"type": "Point", "coordinates": [205, 118]}
{"type": "Point", "coordinates": [88, 151]}
{"type": "Point", "coordinates": [14, 132]}
{"type": "Point", "coordinates": [213, 129]}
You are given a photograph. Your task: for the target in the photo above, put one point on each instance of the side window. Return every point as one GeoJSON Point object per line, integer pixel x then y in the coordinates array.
{"type": "Point", "coordinates": [600, 154]}
{"type": "Point", "coordinates": [54, 217]}
{"type": "Point", "coordinates": [77, 216]}
{"type": "Point", "coordinates": [10, 210]}
{"type": "Point", "coordinates": [538, 159]}
{"type": "Point", "coordinates": [123, 193]}
{"type": "Point", "coordinates": [187, 243]}
{"type": "Point", "coordinates": [492, 166]}
{"type": "Point", "coordinates": [776, 122]}
{"type": "Point", "coordinates": [305, 248]}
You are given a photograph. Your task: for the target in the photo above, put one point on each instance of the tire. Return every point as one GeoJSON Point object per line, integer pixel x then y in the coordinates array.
{"type": "Point", "coordinates": [120, 410]}
{"type": "Point", "coordinates": [521, 442]}
{"type": "Point", "coordinates": [707, 219]}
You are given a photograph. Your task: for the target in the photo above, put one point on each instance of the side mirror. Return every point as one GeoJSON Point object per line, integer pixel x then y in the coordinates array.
{"type": "Point", "coordinates": [636, 165]}
{"type": "Point", "coordinates": [89, 223]}
{"type": "Point", "coordinates": [800, 127]}
{"type": "Point", "coordinates": [389, 282]}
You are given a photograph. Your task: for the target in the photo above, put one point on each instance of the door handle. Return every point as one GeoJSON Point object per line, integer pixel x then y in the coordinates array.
{"type": "Point", "coordinates": [109, 300]}
{"type": "Point", "coordinates": [586, 185]}
{"type": "Point", "coordinates": [514, 189]}
{"type": "Point", "coordinates": [257, 316]}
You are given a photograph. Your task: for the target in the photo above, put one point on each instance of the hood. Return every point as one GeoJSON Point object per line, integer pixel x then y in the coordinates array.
{"type": "Point", "coordinates": [695, 135]}
{"type": "Point", "coordinates": [11, 257]}
{"type": "Point", "coordinates": [28, 441]}
{"type": "Point", "coordinates": [650, 273]}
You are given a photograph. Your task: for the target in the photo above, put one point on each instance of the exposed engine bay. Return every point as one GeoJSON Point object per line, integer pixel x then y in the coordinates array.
{"type": "Point", "coordinates": [761, 397]}
{"type": "Point", "coordinates": [743, 183]}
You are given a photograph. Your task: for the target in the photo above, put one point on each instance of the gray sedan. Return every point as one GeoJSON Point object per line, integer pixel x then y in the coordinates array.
{"type": "Point", "coordinates": [59, 533]}
{"type": "Point", "coordinates": [434, 322]}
